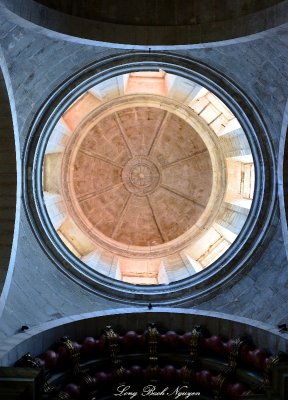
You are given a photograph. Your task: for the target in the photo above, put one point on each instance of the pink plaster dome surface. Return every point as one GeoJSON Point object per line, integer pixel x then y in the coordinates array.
{"type": "Point", "coordinates": [140, 176]}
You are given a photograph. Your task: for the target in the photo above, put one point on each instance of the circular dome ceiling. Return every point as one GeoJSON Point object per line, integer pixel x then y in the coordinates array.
{"type": "Point", "coordinates": [140, 176]}
{"type": "Point", "coordinates": [148, 178]}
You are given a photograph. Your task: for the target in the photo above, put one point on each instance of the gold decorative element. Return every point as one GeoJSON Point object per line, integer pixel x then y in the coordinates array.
{"type": "Point", "coordinates": [219, 384]}
{"type": "Point", "coordinates": [112, 340]}
{"type": "Point", "coordinates": [119, 370]}
{"type": "Point", "coordinates": [273, 361]}
{"type": "Point", "coordinates": [153, 373]}
{"type": "Point", "coordinates": [28, 361]}
{"type": "Point", "coordinates": [63, 396]}
{"type": "Point", "coordinates": [48, 388]}
{"type": "Point", "coordinates": [187, 372]}
{"type": "Point", "coordinates": [74, 354]}
{"type": "Point", "coordinates": [88, 379]}
{"type": "Point", "coordinates": [152, 339]}
{"type": "Point", "coordinates": [152, 335]}
{"type": "Point", "coordinates": [234, 353]}
{"type": "Point", "coordinates": [194, 343]}
{"type": "Point", "coordinates": [193, 355]}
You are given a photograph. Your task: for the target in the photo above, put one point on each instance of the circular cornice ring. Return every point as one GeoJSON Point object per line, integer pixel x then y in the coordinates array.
{"type": "Point", "coordinates": [205, 284]}
{"type": "Point", "coordinates": [141, 176]}
{"type": "Point", "coordinates": [218, 167]}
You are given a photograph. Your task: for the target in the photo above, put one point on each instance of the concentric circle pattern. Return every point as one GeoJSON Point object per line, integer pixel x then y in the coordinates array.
{"type": "Point", "coordinates": [141, 176]}
{"type": "Point", "coordinates": [148, 178]}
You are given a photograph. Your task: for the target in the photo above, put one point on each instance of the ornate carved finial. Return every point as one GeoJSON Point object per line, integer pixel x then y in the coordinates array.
{"type": "Point", "coordinates": [112, 340]}
{"type": "Point", "coordinates": [63, 396]}
{"type": "Point", "coordinates": [273, 361]}
{"type": "Point", "coordinates": [194, 343]}
{"type": "Point", "coordinates": [28, 361]}
{"type": "Point", "coordinates": [152, 339]}
{"type": "Point", "coordinates": [219, 384]}
{"type": "Point", "coordinates": [74, 353]}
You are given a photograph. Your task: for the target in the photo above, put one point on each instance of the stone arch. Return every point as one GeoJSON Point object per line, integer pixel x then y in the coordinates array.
{"type": "Point", "coordinates": [283, 177]}
{"type": "Point", "coordinates": [8, 181]}
{"type": "Point", "coordinates": [38, 339]}
{"type": "Point", "coordinates": [105, 21]}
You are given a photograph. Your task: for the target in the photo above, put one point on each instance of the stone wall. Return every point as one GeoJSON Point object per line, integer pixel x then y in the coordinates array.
{"type": "Point", "coordinates": [39, 339]}
{"type": "Point", "coordinates": [36, 64]}
{"type": "Point", "coordinates": [7, 182]}
{"type": "Point", "coordinates": [151, 22]}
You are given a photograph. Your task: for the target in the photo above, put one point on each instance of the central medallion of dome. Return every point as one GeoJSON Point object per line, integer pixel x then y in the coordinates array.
{"type": "Point", "coordinates": [140, 176]}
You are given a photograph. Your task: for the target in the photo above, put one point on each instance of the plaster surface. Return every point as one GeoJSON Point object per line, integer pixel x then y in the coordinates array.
{"type": "Point", "coordinates": [141, 176]}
